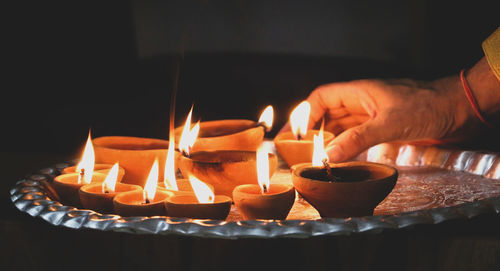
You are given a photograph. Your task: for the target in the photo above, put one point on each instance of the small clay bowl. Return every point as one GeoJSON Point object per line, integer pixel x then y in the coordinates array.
{"type": "Point", "coordinates": [295, 151]}
{"type": "Point", "coordinates": [224, 170]}
{"type": "Point", "coordinates": [359, 188]}
{"type": "Point", "coordinates": [275, 204]}
{"type": "Point", "coordinates": [243, 135]}
{"type": "Point", "coordinates": [102, 168]}
{"type": "Point", "coordinates": [188, 206]}
{"type": "Point", "coordinates": [184, 187]}
{"type": "Point", "coordinates": [132, 203]}
{"type": "Point", "coordinates": [67, 187]}
{"type": "Point", "coordinates": [92, 197]}
{"type": "Point", "coordinates": [134, 154]}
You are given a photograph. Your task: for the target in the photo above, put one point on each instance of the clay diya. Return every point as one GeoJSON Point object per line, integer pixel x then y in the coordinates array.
{"type": "Point", "coordinates": [296, 146]}
{"type": "Point", "coordinates": [342, 190]}
{"type": "Point", "coordinates": [67, 186]}
{"type": "Point", "coordinates": [147, 202]}
{"type": "Point", "coordinates": [357, 188]}
{"type": "Point", "coordinates": [135, 155]}
{"type": "Point", "coordinates": [99, 196]}
{"type": "Point", "coordinates": [224, 169]}
{"type": "Point", "coordinates": [235, 134]}
{"type": "Point", "coordinates": [264, 200]}
{"type": "Point", "coordinates": [203, 204]}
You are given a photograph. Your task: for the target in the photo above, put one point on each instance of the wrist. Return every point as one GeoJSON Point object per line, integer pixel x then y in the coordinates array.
{"type": "Point", "coordinates": [485, 87]}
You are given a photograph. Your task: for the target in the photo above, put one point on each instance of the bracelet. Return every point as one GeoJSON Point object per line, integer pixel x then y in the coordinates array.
{"type": "Point", "coordinates": [472, 99]}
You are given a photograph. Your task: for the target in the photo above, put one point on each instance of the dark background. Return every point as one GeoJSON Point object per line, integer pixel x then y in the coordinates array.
{"type": "Point", "coordinates": [109, 66]}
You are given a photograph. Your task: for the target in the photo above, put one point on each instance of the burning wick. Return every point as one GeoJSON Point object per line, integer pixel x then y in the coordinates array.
{"type": "Point", "coordinates": [145, 196]}
{"type": "Point", "coordinates": [328, 170]}
{"type": "Point", "coordinates": [82, 175]}
{"type": "Point", "coordinates": [264, 189]}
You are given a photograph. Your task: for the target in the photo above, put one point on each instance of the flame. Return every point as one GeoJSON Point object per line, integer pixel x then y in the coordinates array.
{"type": "Point", "coordinates": [319, 153]}
{"type": "Point", "coordinates": [263, 169]}
{"type": "Point", "coordinates": [169, 179]}
{"type": "Point", "coordinates": [189, 135]}
{"type": "Point", "coordinates": [110, 182]}
{"type": "Point", "coordinates": [151, 182]}
{"type": "Point", "coordinates": [86, 165]}
{"type": "Point", "coordinates": [203, 193]}
{"type": "Point", "coordinates": [266, 118]}
{"type": "Point", "coordinates": [299, 119]}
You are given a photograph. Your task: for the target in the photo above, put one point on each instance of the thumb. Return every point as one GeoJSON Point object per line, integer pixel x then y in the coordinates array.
{"type": "Point", "coordinates": [355, 140]}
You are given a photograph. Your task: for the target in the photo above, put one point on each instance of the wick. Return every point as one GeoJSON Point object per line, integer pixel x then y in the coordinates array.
{"type": "Point", "coordinates": [328, 170]}
{"type": "Point", "coordinates": [146, 201]}
{"type": "Point", "coordinates": [263, 125]}
{"type": "Point", "coordinates": [185, 154]}
{"type": "Point", "coordinates": [299, 137]}
{"type": "Point", "coordinates": [264, 189]}
{"type": "Point", "coordinates": [106, 191]}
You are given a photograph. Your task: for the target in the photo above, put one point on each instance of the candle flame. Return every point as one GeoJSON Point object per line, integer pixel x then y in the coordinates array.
{"type": "Point", "coordinates": [86, 165]}
{"type": "Point", "coordinates": [266, 118]}
{"type": "Point", "coordinates": [319, 153]}
{"type": "Point", "coordinates": [203, 193]}
{"type": "Point", "coordinates": [189, 135]}
{"type": "Point", "coordinates": [151, 182]}
{"type": "Point", "coordinates": [299, 119]}
{"type": "Point", "coordinates": [263, 169]}
{"type": "Point", "coordinates": [169, 180]}
{"type": "Point", "coordinates": [110, 182]}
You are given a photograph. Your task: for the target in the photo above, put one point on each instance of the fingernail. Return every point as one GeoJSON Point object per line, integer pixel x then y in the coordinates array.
{"type": "Point", "coordinates": [335, 153]}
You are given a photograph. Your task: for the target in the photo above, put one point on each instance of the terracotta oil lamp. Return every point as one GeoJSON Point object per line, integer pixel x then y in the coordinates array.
{"type": "Point", "coordinates": [203, 204]}
{"type": "Point", "coordinates": [67, 185]}
{"type": "Point", "coordinates": [342, 190]}
{"type": "Point", "coordinates": [170, 182]}
{"type": "Point", "coordinates": [99, 196]}
{"type": "Point", "coordinates": [135, 155]}
{"type": "Point", "coordinates": [296, 146]}
{"type": "Point", "coordinates": [147, 202]}
{"type": "Point", "coordinates": [264, 200]}
{"type": "Point", "coordinates": [223, 169]}
{"type": "Point", "coordinates": [235, 134]}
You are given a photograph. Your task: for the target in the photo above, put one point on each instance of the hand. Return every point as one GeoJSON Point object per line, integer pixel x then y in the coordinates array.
{"type": "Point", "coordinates": [364, 113]}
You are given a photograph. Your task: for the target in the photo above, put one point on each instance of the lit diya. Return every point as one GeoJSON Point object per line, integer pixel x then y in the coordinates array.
{"type": "Point", "coordinates": [68, 185]}
{"type": "Point", "coordinates": [146, 202]}
{"type": "Point", "coordinates": [135, 155]}
{"type": "Point", "coordinates": [170, 181]}
{"type": "Point", "coordinates": [99, 196]}
{"type": "Point", "coordinates": [342, 190]}
{"type": "Point", "coordinates": [236, 134]}
{"type": "Point", "coordinates": [203, 204]}
{"type": "Point", "coordinates": [296, 146]}
{"type": "Point", "coordinates": [223, 169]}
{"type": "Point", "coordinates": [264, 200]}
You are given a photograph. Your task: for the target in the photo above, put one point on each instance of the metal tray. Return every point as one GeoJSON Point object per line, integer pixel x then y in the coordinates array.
{"type": "Point", "coordinates": [435, 185]}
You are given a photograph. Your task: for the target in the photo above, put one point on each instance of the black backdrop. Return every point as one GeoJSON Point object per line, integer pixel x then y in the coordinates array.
{"type": "Point", "coordinates": [108, 65]}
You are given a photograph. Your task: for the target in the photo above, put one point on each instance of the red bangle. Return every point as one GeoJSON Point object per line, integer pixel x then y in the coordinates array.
{"type": "Point", "coordinates": [472, 99]}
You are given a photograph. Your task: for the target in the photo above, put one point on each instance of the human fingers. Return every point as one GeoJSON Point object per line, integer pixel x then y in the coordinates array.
{"type": "Point", "coordinates": [355, 140]}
